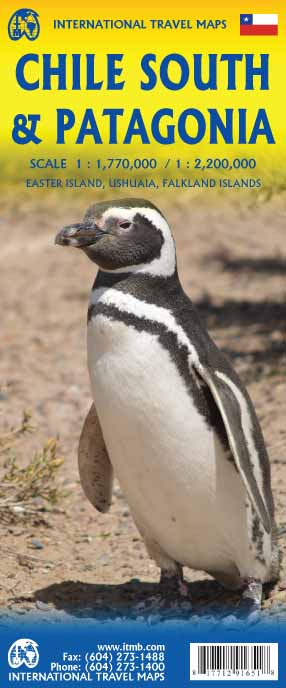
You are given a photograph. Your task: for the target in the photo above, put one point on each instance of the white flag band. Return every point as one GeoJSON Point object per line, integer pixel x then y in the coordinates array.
{"type": "Point", "coordinates": [265, 19]}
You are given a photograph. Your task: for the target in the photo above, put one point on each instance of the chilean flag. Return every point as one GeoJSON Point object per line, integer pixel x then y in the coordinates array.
{"type": "Point", "coordinates": [259, 24]}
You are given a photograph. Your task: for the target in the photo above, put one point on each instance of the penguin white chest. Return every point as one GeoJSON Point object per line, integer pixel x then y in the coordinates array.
{"type": "Point", "coordinates": [180, 487]}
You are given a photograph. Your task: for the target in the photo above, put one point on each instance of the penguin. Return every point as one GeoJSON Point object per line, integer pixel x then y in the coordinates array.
{"type": "Point", "coordinates": [170, 416]}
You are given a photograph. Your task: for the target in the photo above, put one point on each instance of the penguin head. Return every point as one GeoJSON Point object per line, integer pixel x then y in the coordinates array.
{"type": "Point", "coordinates": [130, 235]}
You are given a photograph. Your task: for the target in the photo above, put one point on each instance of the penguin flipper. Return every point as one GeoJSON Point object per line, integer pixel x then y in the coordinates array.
{"type": "Point", "coordinates": [242, 426]}
{"type": "Point", "coordinates": [95, 469]}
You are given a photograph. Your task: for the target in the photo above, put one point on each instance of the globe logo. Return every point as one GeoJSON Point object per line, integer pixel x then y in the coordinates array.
{"type": "Point", "coordinates": [23, 651]}
{"type": "Point", "coordinates": [24, 23]}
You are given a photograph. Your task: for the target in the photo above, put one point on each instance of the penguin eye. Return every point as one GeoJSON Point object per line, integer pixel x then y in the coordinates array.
{"type": "Point", "coordinates": [125, 224]}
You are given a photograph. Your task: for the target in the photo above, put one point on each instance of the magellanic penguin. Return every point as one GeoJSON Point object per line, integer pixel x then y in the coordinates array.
{"type": "Point", "coordinates": [170, 416]}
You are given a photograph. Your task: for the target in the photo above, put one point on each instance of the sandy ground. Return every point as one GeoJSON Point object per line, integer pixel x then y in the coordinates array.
{"type": "Point", "coordinates": [232, 264]}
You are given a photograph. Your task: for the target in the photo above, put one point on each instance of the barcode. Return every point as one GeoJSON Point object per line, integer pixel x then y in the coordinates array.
{"type": "Point", "coordinates": [225, 661]}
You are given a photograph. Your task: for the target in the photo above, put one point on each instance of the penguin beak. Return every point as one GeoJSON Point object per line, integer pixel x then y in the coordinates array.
{"type": "Point", "coordinates": [79, 235]}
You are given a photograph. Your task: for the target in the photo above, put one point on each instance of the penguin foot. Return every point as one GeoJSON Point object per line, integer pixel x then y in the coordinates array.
{"type": "Point", "coordinates": [173, 596]}
{"type": "Point", "coordinates": [173, 582]}
{"type": "Point", "coordinates": [251, 598]}
{"type": "Point", "coordinates": [175, 591]}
